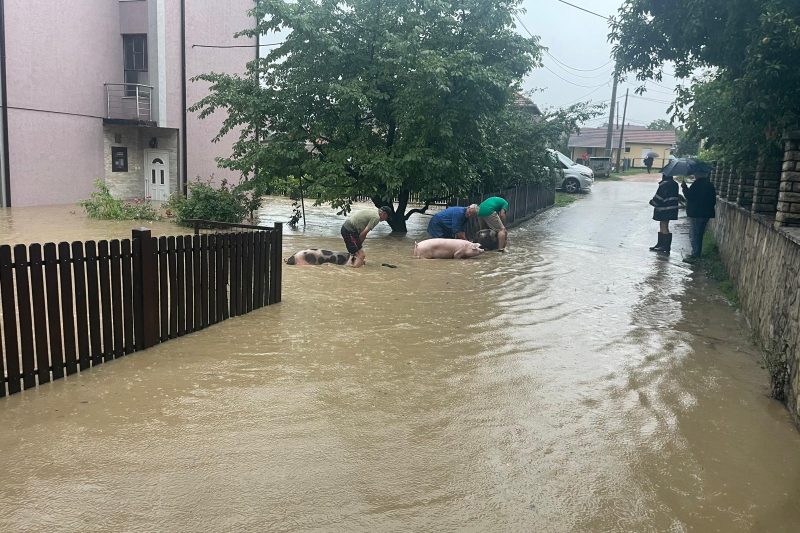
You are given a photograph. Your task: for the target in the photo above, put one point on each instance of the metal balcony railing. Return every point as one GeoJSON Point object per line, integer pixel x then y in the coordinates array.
{"type": "Point", "coordinates": [131, 101]}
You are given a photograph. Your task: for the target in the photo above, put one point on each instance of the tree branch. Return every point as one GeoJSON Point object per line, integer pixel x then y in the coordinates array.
{"type": "Point", "coordinates": [425, 207]}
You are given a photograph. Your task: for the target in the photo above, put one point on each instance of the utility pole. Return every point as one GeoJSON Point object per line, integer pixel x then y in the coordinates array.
{"type": "Point", "coordinates": [622, 130]}
{"type": "Point", "coordinates": [611, 117]}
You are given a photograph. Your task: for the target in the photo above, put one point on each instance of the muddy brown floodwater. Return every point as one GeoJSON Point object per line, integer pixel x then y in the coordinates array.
{"type": "Point", "coordinates": [576, 383]}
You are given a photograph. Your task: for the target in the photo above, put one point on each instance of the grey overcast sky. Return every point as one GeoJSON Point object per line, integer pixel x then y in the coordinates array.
{"type": "Point", "coordinates": [578, 40]}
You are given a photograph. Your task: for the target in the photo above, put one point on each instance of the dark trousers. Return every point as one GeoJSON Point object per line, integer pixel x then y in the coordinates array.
{"type": "Point", "coordinates": [697, 228]}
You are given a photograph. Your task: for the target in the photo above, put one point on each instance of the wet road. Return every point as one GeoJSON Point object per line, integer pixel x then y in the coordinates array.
{"type": "Point", "coordinates": [576, 383]}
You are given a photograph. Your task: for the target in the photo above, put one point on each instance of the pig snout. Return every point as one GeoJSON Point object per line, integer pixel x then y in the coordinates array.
{"type": "Point", "coordinates": [468, 250]}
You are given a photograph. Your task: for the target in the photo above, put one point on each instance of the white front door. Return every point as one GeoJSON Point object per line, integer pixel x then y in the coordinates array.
{"type": "Point", "coordinates": [156, 175]}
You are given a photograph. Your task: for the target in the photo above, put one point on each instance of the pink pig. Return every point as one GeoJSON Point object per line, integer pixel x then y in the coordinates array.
{"type": "Point", "coordinates": [446, 249]}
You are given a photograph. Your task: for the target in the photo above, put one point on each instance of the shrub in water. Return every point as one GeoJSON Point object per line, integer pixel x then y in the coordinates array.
{"type": "Point", "coordinates": [225, 204]}
{"type": "Point", "coordinates": [103, 206]}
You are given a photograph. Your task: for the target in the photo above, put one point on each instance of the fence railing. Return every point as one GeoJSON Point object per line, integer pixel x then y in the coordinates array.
{"type": "Point", "coordinates": [65, 308]}
{"type": "Point", "coordinates": [413, 199]}
{"type": "Point", "coordinates": [130, 101]}
{"type": "Point", "coordinates": [524, 201]}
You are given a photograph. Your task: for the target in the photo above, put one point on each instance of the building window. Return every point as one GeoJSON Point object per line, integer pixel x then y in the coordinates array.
{"type": "Point", "coordinates": [135, 60]}
{"type": "Point", "coordinates": [627, 149]}
{"type": "Point", "coordinates": [119, 159]}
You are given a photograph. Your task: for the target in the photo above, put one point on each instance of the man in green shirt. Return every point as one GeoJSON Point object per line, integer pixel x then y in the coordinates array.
{"type": "Point", "coordinates": [492, 215]}
{"type": "Point", "coordinates": [356, 227]}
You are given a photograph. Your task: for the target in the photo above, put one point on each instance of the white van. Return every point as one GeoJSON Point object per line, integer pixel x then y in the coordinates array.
{"type": "Point", "coordinates": [572, 176]}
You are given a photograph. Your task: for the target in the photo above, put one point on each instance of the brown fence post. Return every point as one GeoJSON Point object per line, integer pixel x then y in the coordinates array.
{"type": "Point", "coordinates": [145, 285]}
{"type": "Point", "coordinates": [277, 253]}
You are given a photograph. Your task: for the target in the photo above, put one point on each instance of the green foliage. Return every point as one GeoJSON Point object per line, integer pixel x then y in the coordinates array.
{"type": "Point", "coordinates": [750, 92]}
{"type": "Point", "coordinates": [686, 144]}
{"type": "Point", "coordinates": [103, 206]}
{"type": "Point", "coordinates": [223, 204]}
{"type": "Point", "coordinates": [661, 125]}
{"type": "Point", "coordinates": [381, 99]}
{"type": "Point", "coordinates": [714, 268]}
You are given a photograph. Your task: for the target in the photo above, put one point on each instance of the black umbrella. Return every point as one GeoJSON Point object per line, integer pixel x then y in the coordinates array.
{"type": "Point", "coordinates": [686, 167]}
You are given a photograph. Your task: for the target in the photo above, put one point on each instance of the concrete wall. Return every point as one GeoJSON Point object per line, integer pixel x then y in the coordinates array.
{"type": "Point", "coordinates": [56, 68]}
{"type": "Point", "coordinates": [213, 22]}
{"type": "Point", "coordinates": [133, 17]}
{"type": "Point", "coordinates": [764, 263]}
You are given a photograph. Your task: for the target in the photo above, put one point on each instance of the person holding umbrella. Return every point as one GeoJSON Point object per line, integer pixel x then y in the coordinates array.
{"type": "Point", "coordinates": [648, 162]}
{"type": "Point", "coordinates": [701, 198]}
{"type": "Point", "coordinates": [665, 202]}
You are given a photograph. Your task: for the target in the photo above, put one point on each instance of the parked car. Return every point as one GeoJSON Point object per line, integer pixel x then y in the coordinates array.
{"type": "Point", "coordinates": [573, 177]}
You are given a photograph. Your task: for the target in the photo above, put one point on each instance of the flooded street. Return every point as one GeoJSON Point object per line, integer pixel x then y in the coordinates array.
{"type": "Point", "coordinates": [576, 383]}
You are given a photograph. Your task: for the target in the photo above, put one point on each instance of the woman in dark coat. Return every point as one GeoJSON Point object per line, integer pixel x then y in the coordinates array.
{"type": "Point", "coordinates": [665, 208]}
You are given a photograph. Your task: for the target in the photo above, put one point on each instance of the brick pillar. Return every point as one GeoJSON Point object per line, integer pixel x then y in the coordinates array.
{"type": "Point", "coordinates": [788, 211]}
{"type": "Point", "coordinates": [766, 183]}
{"type": "Point", "coordinates": [733, 183]}
{"type": "Point", "coordinates": [712, 176]}
{"type": "Point", "coordinates": [722, 180]}
{"type": "Point", "coordinates": [744, 197]}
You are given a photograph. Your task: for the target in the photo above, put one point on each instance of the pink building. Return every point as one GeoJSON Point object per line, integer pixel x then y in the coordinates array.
{"type": "Point", "coordinates": [99, 89]}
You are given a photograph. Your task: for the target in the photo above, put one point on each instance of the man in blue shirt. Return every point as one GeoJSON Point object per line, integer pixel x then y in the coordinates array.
{"type": "Point", "coordinates": [451, 223]}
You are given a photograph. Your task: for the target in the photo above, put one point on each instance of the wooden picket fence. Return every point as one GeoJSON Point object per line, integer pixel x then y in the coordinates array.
{"type": "Point", "coordinates": [65, 308]}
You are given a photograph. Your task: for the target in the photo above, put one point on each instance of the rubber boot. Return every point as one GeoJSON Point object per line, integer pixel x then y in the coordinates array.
{"type": "Point", "coordinates": [659, 244]}
{"type": "Point", "coordinates": [667, 246]}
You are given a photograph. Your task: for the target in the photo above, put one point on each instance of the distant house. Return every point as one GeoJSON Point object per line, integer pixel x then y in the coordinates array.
{"type": "Point", "coordinates": [637, 142]}
{"type": "Point", "coordinates": [522, 101]}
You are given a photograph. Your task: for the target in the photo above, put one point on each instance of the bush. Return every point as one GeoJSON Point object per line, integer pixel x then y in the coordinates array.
{"type": "Point", "coordinates": [103, 206]}
{"type": "Point", "coordinates": [225, 204]}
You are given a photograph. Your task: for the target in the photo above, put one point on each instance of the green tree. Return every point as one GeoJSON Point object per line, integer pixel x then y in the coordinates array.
{"type": "Point", "coordinates": [686, 144]}
{"type": "Point", "coordinates": [380, 98]}
{"type": "Point", "coordinates": [661, 125]}
{"type": "Point", "coordinates": [751, 50]}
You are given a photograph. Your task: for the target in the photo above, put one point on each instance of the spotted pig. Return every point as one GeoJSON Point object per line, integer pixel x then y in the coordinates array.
{"type": "Point", "coordinates": [488, 239]}
{"type": "Point", "coordinates": [315, 256]}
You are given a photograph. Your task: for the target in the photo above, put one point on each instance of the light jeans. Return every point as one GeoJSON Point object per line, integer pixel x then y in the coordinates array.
{"type": "Point", "coordinates": [697, 227]}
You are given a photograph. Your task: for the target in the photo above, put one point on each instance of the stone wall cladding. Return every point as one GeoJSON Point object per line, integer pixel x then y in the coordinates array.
{"type": "Point", "coordinates": [130, 185]}
{"type": "Point", "coordinates": [764, 263]}
{"type": "Point", "coordinates": [788, 211]}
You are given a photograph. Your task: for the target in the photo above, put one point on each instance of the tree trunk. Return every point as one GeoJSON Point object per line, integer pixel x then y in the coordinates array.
{"type": "Point", "coordinates": [397, 221]}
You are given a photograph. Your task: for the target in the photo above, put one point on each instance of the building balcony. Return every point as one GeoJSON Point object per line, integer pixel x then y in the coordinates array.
{"type": "Point", "coordinates": [129, 103]}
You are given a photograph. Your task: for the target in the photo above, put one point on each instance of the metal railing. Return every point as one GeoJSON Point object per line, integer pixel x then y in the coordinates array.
{"type": "Point", "coordinates": [128, 101]}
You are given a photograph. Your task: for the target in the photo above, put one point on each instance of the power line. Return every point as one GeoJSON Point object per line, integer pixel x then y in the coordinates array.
{"type": "Point", "coordinates": [584, 9]}
{"type": "Point", "coordinates": [551, 70]}
{"type": "Point", "coordinates": [516, 15]}
{"type": "Point", "coordinates": [601, 75]}
{"type": "Point", "coordinates": [651, 99]}
{"type": "Point", "coordinates": [585, 95]}
{"type": "Point", "coordinates": [573, 83]}
{"type": "Point", "coordinates": [235, 45]}
{"type": "Point", "coordinates": [554, 58]}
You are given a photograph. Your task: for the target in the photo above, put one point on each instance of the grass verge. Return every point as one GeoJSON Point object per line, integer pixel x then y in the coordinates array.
{"type": "Point", "coordinates": [563, 199]}
{"type": "Point", "coordinates": [616, 176]}
{"type": "Point", "coordinates": [714, 268]}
